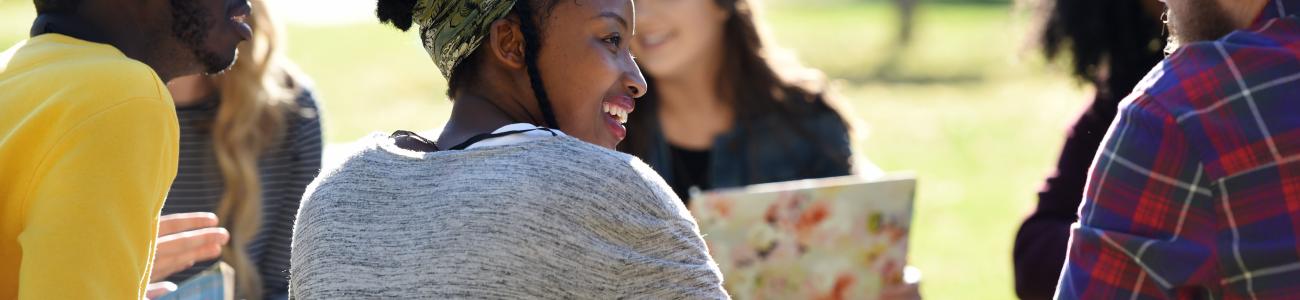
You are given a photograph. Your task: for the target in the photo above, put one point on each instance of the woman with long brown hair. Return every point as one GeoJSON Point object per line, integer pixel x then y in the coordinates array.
{"type": "Point", "coordinates": [250, 144]}
{"type": "Point", "coordinates": [727, 109]}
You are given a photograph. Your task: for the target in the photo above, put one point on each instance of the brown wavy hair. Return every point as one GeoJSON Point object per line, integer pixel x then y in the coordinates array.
{"type": "Point", "coordinates": [757, 80]}
{"type": "Point", "coordinates": [257, 95]}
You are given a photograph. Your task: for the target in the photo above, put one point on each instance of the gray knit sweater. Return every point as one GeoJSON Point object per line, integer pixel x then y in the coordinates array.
{"type": "Point", "coordinates": [548, 218]}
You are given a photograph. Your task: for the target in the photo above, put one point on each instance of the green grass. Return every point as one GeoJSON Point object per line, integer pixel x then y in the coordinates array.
{"type": "Point", "coordinates": [370, 78]}
{"type": "Point", "coordinates": [15, 21]}
{"type": "Point", "coordinates": [978, 121]}
{"type": "Point", "coordinates": [979, 125]}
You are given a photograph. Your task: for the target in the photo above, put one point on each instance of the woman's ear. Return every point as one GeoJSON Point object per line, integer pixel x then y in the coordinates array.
{"type": "Point", "coordinates": [506, 42]}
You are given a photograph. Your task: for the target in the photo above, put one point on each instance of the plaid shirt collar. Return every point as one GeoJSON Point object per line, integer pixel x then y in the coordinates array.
{"type": "Point", "coordinates": [1276, 9]}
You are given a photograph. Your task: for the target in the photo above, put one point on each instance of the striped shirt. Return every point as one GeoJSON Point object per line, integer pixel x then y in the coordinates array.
{"type": "Point", "coordinates": [285, 171]}
{"type": "Point", "coordinates": [1196, 191]}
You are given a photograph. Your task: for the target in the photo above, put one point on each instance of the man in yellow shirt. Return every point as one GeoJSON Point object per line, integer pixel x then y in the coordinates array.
{"type": "Point", "coordinates": [88, 138]}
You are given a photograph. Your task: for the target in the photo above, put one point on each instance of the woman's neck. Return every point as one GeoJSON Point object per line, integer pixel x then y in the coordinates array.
{"type": "Point", "coordinates": [473, 115]}
{"type": "Point", "coordinates": [693, 110]}
{"type": "Point", "coordinates": [688, 93]}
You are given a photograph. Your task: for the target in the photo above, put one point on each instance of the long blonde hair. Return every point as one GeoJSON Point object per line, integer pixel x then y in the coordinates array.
{"type": "Point", "coordinates": [256, 96]}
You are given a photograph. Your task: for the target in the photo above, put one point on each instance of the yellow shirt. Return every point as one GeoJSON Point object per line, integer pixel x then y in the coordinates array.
{"type": "Point", "coordinates": [88, 145]}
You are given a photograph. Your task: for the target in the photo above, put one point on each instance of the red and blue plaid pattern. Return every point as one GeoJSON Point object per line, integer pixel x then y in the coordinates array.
{"type": "Point", "coordinates": [1196, 191]}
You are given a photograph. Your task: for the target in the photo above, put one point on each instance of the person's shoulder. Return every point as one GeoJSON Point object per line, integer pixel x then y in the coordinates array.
{"type": "Point", "coordinates": [349, 172]}
{"type": "Point", "coordinates": [360, 159]}
{"type": "Point", "coordinates": [92, 78]}
{"type": "Point", "coordinates": [1279, 33]}
{"type": "Point", "coordinates": [108, 76]}
{"type": "Point", "coordinates": [566, 149]}
{"type": "Point", "coordinates": [93, 93]}
{"type": "Point", "coordinates": [100, 84]}
{"type": "Point", "coordinates": [304, 96]}
{"type": "Point", "coordinates": [621, 174]}
{"type": "Point", "coordinates": [303, 115]}
{"type": "Point", "coordinates": [808, 103]}
{"type": "Point", "coordinates": [817, 116]}
{"type": "Point", "coordinates": [817, 112]}
{"type": "Point", "coordinates": [1203, 75]}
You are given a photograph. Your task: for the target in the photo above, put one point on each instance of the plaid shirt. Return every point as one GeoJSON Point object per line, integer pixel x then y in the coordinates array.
{"type": "Point", "coordinates": [1195, 193]}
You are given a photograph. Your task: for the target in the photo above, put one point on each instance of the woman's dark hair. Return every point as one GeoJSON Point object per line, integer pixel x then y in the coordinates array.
{"type": "Point", "coordinates": [1111, 43]}
{"type": "Point", "coordinates": [400, 14]}
{"type": "Point", "coordinates": [756, 85]}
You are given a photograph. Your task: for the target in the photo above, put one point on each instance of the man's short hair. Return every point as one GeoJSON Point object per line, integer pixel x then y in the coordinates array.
{"type": "Point", "coordinates": [56, 6]}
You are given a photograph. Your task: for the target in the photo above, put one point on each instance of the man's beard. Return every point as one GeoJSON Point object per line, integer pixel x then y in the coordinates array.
{"type": "Point", "coordinates": [1196, 21]}
{"type": "Point", "coordinates": [190, 25]}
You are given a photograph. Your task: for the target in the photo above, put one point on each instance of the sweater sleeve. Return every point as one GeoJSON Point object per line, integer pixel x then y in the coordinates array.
{"type": "Point", "coordinates": [90, 225]}
{"type": "Point", "coordinates": [305, 246]}
{"type": "Point", "coordinates": [673, 261]}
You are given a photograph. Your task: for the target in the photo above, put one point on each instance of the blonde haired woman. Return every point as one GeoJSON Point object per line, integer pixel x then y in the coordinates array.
{"type": "Point", "coordinates": [250, 143]}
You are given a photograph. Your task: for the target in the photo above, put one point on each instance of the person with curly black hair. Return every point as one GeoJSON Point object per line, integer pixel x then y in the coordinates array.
{"type": "Point", "coordinates": [1110, 45]}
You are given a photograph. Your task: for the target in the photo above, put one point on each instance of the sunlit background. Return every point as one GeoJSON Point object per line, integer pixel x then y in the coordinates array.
{"type": "Point", "coordinates": [968, 107]}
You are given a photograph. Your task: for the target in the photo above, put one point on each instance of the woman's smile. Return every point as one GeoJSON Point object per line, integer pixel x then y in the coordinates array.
{"type": "Point", "coordinates": [615, 110]}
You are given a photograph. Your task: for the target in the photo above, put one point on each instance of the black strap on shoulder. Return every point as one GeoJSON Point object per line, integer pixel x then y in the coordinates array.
{"type": "Point", "coordinates": [414, 142]}
{"type": "Point", "coordinates": [479, 138]}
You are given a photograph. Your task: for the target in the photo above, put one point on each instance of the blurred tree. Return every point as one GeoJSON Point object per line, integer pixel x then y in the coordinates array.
{"type": "Point", "coordinates": [906, 20]}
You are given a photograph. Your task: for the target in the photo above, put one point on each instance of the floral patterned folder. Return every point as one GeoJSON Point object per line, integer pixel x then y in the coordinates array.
{"type": "Point", "coordinates": [836, 238]}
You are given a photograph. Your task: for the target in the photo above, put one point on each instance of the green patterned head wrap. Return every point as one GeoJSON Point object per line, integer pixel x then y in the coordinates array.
{"type": "Point", "coordinates": [453, 29]}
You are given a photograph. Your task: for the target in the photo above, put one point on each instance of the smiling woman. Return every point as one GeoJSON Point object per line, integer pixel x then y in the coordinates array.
{"type": "Point", "coordinates": [729, 108]}
{"type": "Point", "coordinates": [531, 200]}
